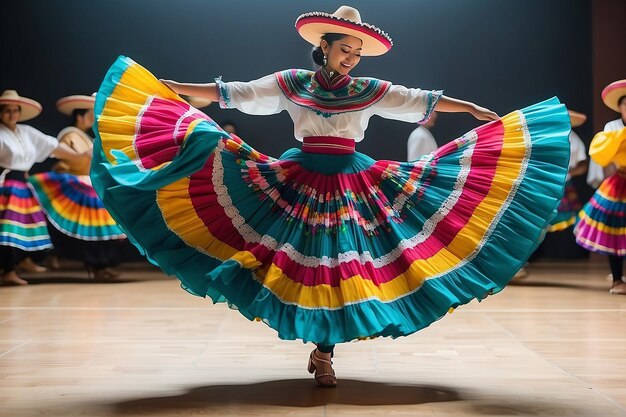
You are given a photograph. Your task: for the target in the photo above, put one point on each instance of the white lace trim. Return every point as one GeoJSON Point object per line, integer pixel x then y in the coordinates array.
{"type": "Point", "coordinates": [223, 198]}
{"type": "Point", "coordinates": [251, 236]}
{"type": "Point", "coordinates": [179, 122]}
{"type": "Point", "coordinates": [144, 108]}
{"type": "Point", "coordinates": [503, 208]}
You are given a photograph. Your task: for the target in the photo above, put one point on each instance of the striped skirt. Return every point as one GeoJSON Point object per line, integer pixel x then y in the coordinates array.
{"type": "Point", "coordinates": [22, 222]}
{"type": "Point", "coordinates": [323, 247]}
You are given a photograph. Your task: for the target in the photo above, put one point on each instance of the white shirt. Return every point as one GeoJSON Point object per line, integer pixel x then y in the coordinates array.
{"type": "Point", "coordinates": [264, 96]}
{"type": "Point", "coordinates": [20, 149]}
{"type": "Point", "coordinates": [595, 174]}
{"type": "Point", "coordinates": [420, 142]}
{"type": "Point", "coordinates": [578, 152]}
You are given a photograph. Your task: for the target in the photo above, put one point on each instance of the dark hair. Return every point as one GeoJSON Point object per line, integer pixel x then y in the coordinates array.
{"type": "Point", "coordinates": [619, 100]}
{"type": "Point", "coordinates": [76, 113]}
{"type": "Point", "coordinates": [317, 54]}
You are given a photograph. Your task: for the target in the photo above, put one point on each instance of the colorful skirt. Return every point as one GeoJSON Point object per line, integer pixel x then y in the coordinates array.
{"type": "Point", "coordinates": [73, 207]}
{"type": "Point", "coordinates": [325, 248]}
{"type": "Point", "coordinates": [567, 212]}
{"type": "Point", "coordinates": [602, 224]}
{"type": "Point", "coordinates": [22, 222]}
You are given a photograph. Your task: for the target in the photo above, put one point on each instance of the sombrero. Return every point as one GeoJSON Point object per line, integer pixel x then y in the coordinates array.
{"type": "Point", "coordinates": [67, 105]}
{"type": "Point", "coordinates": [346, 20]}
{"type": "Point", "coordinates": [29, 108]}
{"type": "Point", "coordinates": [612, 93]}
{"type": "Point", "coordinates": [576, 119]}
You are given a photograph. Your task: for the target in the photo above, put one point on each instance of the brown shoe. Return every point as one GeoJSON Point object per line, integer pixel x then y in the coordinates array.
{"type": "Point", "coordinates": [618, 288]}
{"type": "Point", "coordinates": [324, 372]}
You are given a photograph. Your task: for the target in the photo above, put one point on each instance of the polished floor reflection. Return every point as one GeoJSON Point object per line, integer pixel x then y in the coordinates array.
{"type": "Point", "coordinates": [553, 345]}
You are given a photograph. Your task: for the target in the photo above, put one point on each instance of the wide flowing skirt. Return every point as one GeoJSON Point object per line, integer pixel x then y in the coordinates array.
{"type": "Point", "coordinates": [22, 222]}
{"type": "Point", "coordinates": [602, 224]}
{"type": "Point", "coordinates": [73, 207]}
{"type": "Point", "coordinates": [325, 248]}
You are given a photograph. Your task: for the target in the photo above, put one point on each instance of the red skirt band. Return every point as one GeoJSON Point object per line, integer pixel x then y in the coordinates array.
{"type": "Point", "coordinates": [328, 145]}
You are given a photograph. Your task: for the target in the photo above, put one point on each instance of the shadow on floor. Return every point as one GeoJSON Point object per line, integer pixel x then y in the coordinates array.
{"type": "Point", "coordinates": [289, 393]}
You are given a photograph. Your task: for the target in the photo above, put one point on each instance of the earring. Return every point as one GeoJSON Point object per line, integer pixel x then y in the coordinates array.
{"type": "Point", "coordinates": [325, 60]}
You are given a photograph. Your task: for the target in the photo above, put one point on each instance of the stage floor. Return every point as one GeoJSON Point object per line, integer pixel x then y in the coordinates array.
{"type": "Point", "coordinates": [554, 345]}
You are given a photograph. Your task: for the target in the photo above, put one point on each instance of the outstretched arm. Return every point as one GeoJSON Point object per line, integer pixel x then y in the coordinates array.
{"type": "Point", "coordinates": [453, 105]}
{"type": "Point", "coordinates": [208, 90]}
{"type": "Point", "coordinates": [262, 96]}
{"type": "Point", "coordinates": [65, 152]}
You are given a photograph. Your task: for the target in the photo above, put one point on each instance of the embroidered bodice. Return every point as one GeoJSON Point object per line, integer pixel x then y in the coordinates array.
{"type": "Point", "coordinates": [340, 109]}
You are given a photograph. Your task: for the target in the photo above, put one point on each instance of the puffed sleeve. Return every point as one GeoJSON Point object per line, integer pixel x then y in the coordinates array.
{"type": "Point", "coordinates": [578, 152]}
{"type": "Point", "coordinates": [44, 144]}
{"type": "Point", "coordinates": [607, 147]}
{"type": "Point", "coordinates": [258, 97]}
{"type": "Point", "coordinates": [407, 104]}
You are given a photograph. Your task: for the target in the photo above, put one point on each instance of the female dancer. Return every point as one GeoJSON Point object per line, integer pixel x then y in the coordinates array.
{"type": "Point", "coordinates": [81, 229]}
{"type": "Point", "coordinates": [602, 225]}
{"type": "Point", "coordinates": [325, 244]}
{"type": "Point", "coordinates": [22, 223]}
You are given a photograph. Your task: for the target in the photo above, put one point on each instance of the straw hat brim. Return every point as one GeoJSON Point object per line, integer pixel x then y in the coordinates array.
{"type": "Point", "coordinates": [612, 93]}
{"type": "Point", "coordinates": [576, 118]}
{"type": "Point", "coordinates": [29, 108]}
{"type": "Point", "coordinates": [67, 105]}
{"type": "Point", "coordinates": [312, 28]}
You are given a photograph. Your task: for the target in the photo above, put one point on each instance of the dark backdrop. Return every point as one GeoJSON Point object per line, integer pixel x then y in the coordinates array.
{"type": "Point", "coordinates": [500, 54]}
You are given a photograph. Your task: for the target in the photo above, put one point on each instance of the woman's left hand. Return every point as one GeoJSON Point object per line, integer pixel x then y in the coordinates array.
{"type": "Point", "coordinates": [482, 113]}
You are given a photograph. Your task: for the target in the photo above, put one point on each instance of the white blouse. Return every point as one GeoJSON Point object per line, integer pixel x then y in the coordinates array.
{"type": "Point", "coordinates": [20, 149]}
{"type": "Point", "coordinates": [264, 96]}
{"type": "Point", "coordinates": [421, 142]}
{"type": "Point", "coordinates": [578, 152]}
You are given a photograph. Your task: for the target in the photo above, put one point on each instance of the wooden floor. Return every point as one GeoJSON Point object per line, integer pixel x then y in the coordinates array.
{"type": "Point", "coordinates": [553, 346]}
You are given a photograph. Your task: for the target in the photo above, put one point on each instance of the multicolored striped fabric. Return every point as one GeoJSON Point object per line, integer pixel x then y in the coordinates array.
{"type": "Point", "coordinates": [73, 207]}
{"type": "Point", "coordinates": [325, 248]}
{"type": "Point", "coordinates": [602, 225]}
{"type": "Point", "coordinates": [567, 213]}
{"type": "Point", "coordinates": [22, 223]}
{"type": "Point", "coordinates": [303, 88]}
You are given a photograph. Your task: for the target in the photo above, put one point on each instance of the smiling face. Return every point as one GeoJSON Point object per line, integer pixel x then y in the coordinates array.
{"type": "Point", "coordinates": [343, 54]}
{"type": "Point", "coordinates": [10, 114]}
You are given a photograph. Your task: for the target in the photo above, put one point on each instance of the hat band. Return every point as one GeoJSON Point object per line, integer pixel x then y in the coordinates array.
{"type": "Point", "coordinates": [353, 26]}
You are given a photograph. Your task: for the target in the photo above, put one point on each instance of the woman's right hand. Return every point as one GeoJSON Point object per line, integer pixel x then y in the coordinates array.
{"type": "Point", "coordinates": [482, 113]}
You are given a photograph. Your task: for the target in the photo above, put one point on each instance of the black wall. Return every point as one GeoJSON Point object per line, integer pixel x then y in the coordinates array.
{"type": "Point", "coordinates": [501, 54]}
